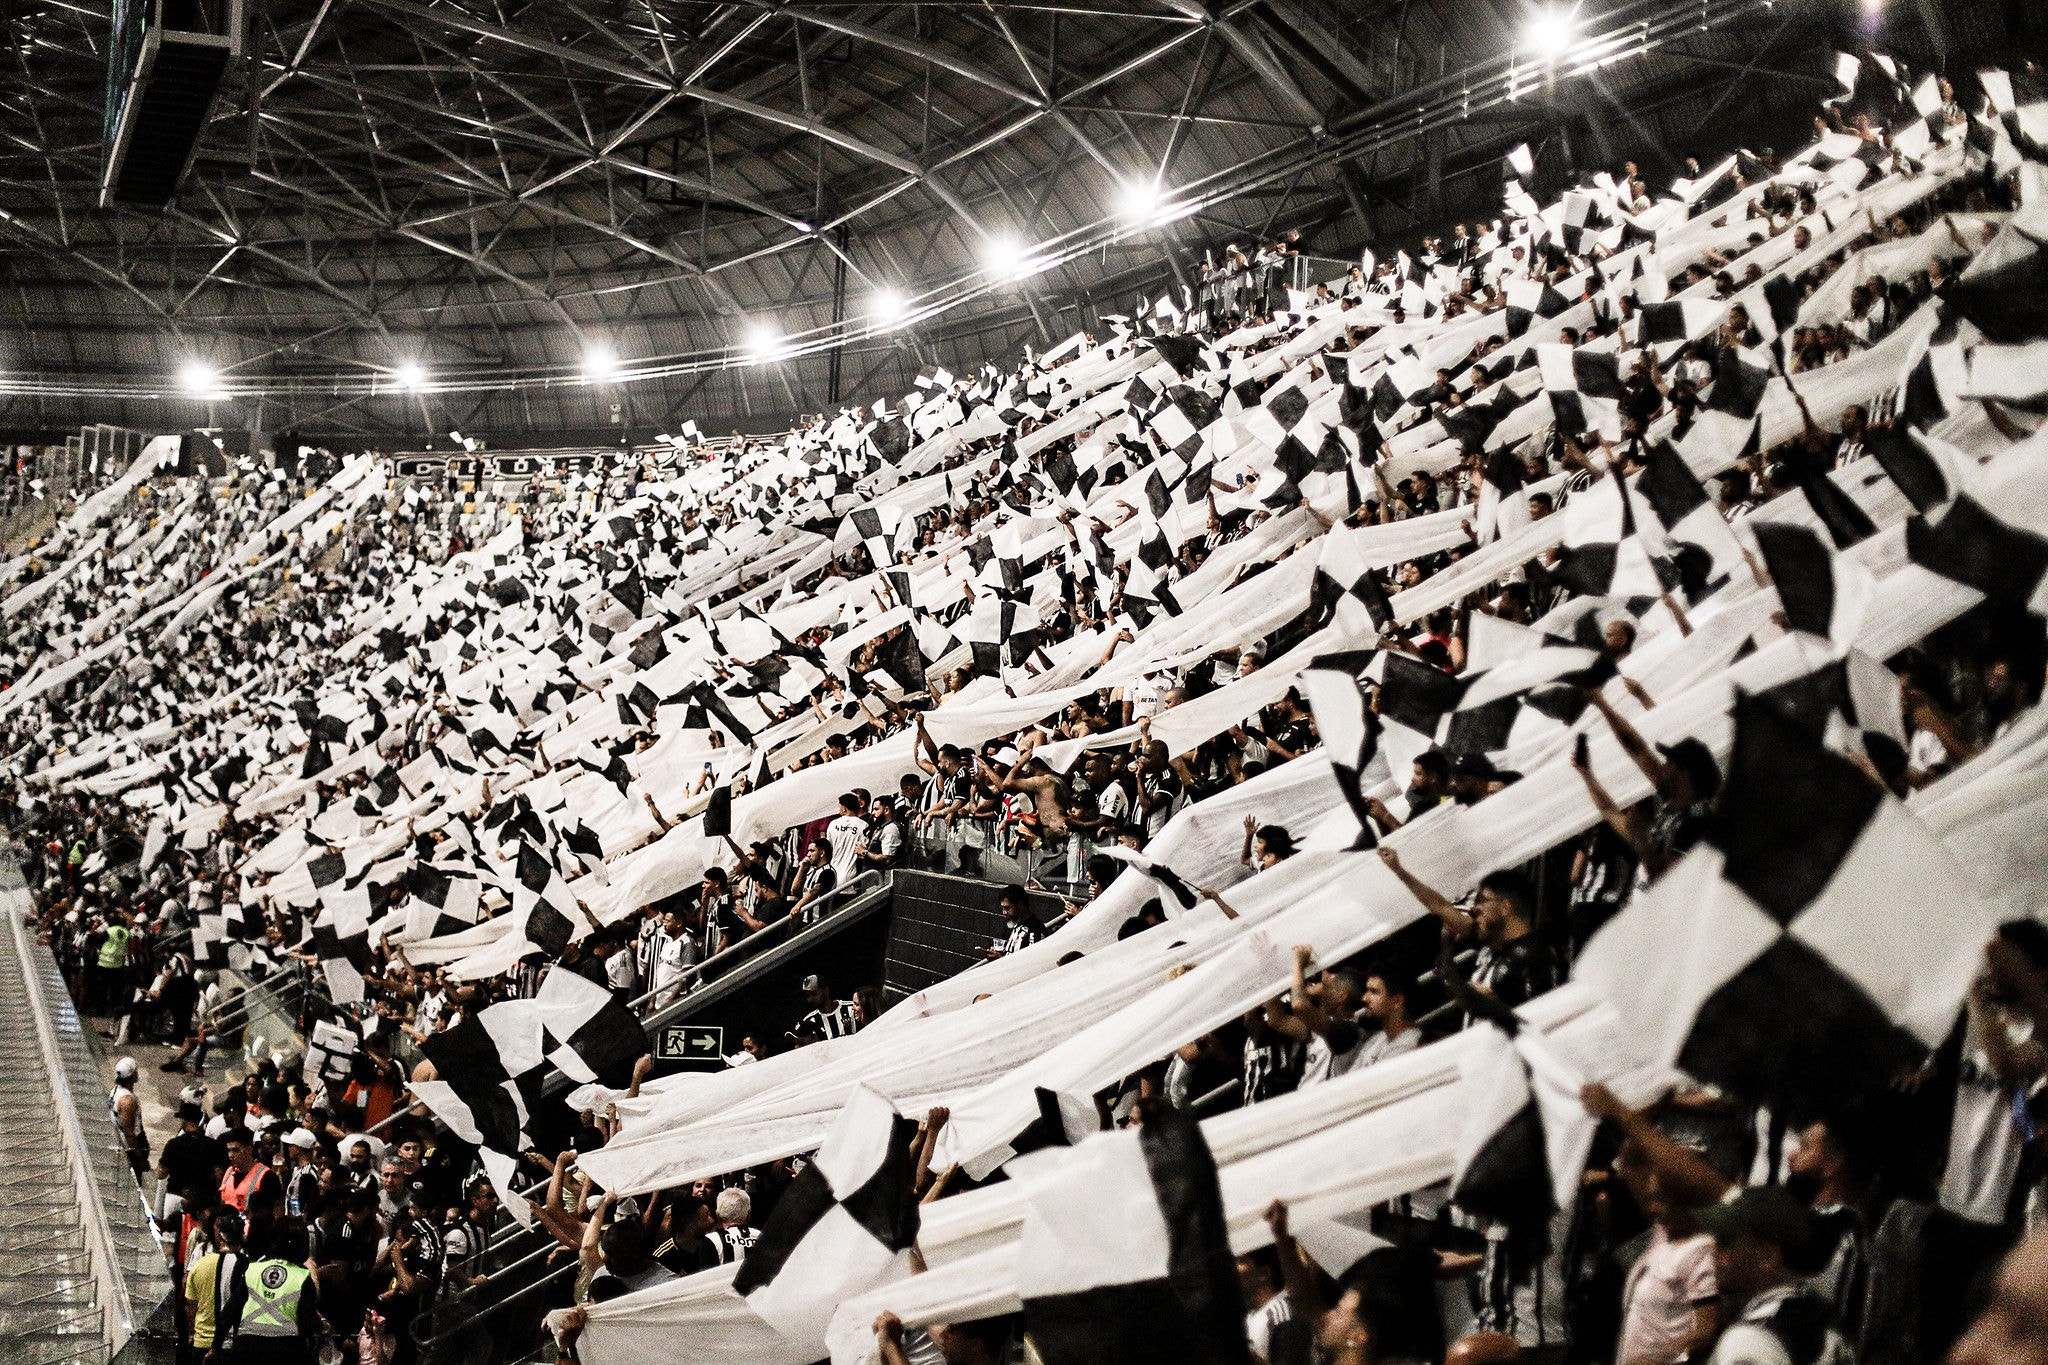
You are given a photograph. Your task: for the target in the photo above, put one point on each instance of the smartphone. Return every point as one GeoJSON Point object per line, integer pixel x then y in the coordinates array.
{"type": "Point", "coordinates": [1579, 748]}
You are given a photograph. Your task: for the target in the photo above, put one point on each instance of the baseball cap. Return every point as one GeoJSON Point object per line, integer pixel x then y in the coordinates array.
{"type": "Point", "coordinates": [811, 983]}
{"type": "Point", "coordinates": [301, 1137]}
{"type": "Point", "coordinates": [1693, 758]}
{"type": "Point", "coordinates": [124, 1070]}
{"type": "Point", "coordinates": [1764, 1212]}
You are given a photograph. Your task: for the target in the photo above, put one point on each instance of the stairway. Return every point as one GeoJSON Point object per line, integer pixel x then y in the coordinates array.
{"type": "Point", "coordinates": [79, 1267]}
{"type": "Point", "coordinates": [48, 1300]}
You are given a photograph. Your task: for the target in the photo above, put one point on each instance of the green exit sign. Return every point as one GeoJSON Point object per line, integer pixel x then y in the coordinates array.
{"type": "Point", "coordinates": [691, 1044]}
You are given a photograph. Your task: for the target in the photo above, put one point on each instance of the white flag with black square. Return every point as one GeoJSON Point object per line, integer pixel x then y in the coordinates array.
{"type": "Point", "coordinates": [845, 1225]}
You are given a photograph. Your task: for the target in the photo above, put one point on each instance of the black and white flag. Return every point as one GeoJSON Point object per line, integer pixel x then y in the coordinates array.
{"type": "Point", "coordinates": [1335, 687]}
{"type": "Point", "coordinates": [1697, 544]}
{"type": "Point", "coordinates": [1347, 591]}
{"type": "Point", "coordinates": [1601, 554]}
{"type": "Point", "coordinates": [1526, 1135]}
{"type": "Point", "coordinates": [1823, 593]}
{"type": "Point", "coordinates": [845, 1226]}
{"type": "Point", "coordinates": [542, 904]}
{"type": "Point", "coordinates": [1855, 706]}
{"type": "Point", "coordinates": [1970, 544]}
{"type": "Point", "coordinates": [1125, 1258]}
{"type": "Point", "coordinates": [882, 532]}
{"type": "Point", "coordinates": [1677, 321]}
{"type": "Point", "coordinates": [1585, 388]}
{"type": "Point", "coordinates": [588, 1034]}
{"type": "Point", "coordinates": [441, 903]}
{"type": "Point", "coordinates": [1816, 886]}
{"type": "Point", "coordinates": [1169, 881]}
{"type": "Point", "coordinates": [340, 934]}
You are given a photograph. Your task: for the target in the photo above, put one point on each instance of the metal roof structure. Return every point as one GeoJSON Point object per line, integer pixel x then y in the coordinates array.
{"type": "Point", "coordinates": [496, 190]}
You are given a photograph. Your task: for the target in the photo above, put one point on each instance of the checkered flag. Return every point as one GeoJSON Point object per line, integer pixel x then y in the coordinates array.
{"type": "Point", "coordinates": [1347, 591]}
{"type": "Point", "coordinates": [1585, 388]}
{"type": "Point", "coordinates": [1125, 1255]}
{"type": "Point", "coordinates": [440, 903]}
{"type": "Point", "coordinates": [1855, 706]}
{"type": "Point", "coordinates": [1822, 593]}
{"type": "Point", "coordinates": [1526, 1136]}
{"type": "Point", "coordinates": [1670, 324]}
{"type": "Point", "coordinates": [1696, 540]}
{"type": "Point", "coordinates": [542, 904]}
{"type": "Point", "coordinates": [1335, 686]}
{"type": "Point", "coordinates": [884, 531]}
{"type": "Point", "coordinates": [845, 1226]}
{"type": "Point", "coordinates": [1970, 544]}
{"type": "Point", "coordinates": [1814, 948]}
{"type": "Point", "coordinates": [1600, 554]}
{"type": "Point", "coordinates": [492, 1067]}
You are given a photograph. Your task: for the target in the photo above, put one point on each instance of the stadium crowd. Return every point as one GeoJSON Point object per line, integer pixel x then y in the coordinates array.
{"type": "Point", "coordinates": [399, 759]}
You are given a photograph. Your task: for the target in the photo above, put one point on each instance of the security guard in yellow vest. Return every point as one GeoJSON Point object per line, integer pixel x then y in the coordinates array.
{"type": "Point", "coordinates": [272, 1312]}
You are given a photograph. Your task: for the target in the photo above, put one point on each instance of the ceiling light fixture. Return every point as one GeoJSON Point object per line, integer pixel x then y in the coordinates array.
{"type": "Point", "coordinates": [889, 306]}
{"type": "Point", "coordinates": [1138, 201]}
{"type": "Point", "coordinates": [198, 378]}
{"type": "Point", "coordinates": [1006, 258]}
{"type": "Point", "coordinates": [1549, 33]}
{"type": "Point", "coordinates": [764, 343]}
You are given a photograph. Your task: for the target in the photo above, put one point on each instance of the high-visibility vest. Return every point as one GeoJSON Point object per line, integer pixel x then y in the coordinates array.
{"type": "Point", "coordinates": [275, 1291]}
{"type": "Point", "coordinates": [235, 1193]}
{"type": "Point", "coordinates": [114, 949]}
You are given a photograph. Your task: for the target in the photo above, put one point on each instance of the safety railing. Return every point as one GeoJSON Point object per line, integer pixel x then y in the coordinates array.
{"type": "Point", "coordinates": [985, 849]}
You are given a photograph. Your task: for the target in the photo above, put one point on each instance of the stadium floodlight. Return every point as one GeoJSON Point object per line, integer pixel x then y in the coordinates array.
{"type": "Point", "coordinates": [198, 378]}
{"type": "Point", "coordinates": [888, 306]}
{"type": "Point", "coordinates": [598, 362]}
{"type": "Point", "coordinates": [412, 375]}
{"type": "Point", "coordinates": [1549, 33]}
{"type": "Point", "coordinates": [1138, 201]}
{"type": "Point", "coordinates": [764, 343]}
{"type": "Point", "coordinates": [1006, 258]}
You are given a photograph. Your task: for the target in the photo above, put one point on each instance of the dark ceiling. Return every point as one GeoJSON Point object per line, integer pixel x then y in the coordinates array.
{"type": "Point", "coordinates": [489, 190]}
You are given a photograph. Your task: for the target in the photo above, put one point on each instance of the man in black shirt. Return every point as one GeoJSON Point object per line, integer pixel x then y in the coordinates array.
{"type": "Point", "coordinates": [687, 1222]}
{"type": "Point", "coordinates": [191, 1163]}
{"type": "Point", "coordinates": [1272, 1061]}
{"type": "Point", "coordinates": [1686, 780]}
{"type": "Point", "coordinates": [1514, 965]}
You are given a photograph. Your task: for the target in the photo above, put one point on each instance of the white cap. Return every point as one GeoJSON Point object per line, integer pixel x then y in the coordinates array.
{"type": "Point", "coordinates": [301, 1137]}
{"type": "Point", "coordinates": [124, 1070]}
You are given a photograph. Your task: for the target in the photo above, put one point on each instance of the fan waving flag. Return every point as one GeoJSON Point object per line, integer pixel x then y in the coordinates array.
{"type": "Point", "coordinates": [1816, 887]}
{"type": "Point", "coordinates": [1124, 1258]}
{"type": "Point", "coordinates": [844, 1227]}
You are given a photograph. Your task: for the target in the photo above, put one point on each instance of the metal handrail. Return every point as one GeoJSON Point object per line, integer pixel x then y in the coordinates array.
{"type": "Point", "coordinates": [265, 989]}
{"type": "Point", "coordinates": [835, 900]}
{"type": "Point", "coordinates": [118, 1324]}
{"type": "Point", "coordinates": [423, 1341]}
